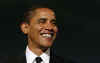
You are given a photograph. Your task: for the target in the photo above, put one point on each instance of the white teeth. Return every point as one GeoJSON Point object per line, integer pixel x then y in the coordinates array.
{"type": "Point", "coordinates": [47, 35]}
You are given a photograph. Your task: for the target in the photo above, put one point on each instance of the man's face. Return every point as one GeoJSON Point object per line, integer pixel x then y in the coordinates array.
{"type": "Point", "coordinates": [42, 28]}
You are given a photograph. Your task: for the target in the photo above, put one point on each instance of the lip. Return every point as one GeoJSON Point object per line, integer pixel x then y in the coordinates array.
{"type": "Point", "coordinates": [52, 33]}
{"type": "Point", "coordinates": [47, 38]}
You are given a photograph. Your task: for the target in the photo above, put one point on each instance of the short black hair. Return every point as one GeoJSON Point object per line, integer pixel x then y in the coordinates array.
{"type": "Point", "coordinates": [29, 12]}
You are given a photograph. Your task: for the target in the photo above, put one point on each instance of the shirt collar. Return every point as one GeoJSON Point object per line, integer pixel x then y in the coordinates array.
{"type": "Point", "coordinates": [45, 56]}
{"type": "Point", "coordinates": [30, 56]}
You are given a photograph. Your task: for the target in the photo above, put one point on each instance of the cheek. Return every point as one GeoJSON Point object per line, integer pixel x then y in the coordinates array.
{"type": "Point", "coordinates": [56, 29]}
{"type": "Point", "coordinates": [34, 33]}
{"type": "Point", "coordinates": [33, 30]}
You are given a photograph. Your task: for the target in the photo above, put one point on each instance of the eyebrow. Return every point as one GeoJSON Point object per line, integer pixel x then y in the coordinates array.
{"type": "Point", "coordinates": [53, 20]}
{"type": "Point", "coordinates": [45, 19]}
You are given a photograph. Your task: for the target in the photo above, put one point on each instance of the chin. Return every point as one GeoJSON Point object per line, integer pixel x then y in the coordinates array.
{"type": "Point", "coordinates": [47, 45]}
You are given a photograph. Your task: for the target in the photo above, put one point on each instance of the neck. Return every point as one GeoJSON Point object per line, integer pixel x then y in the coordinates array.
{"type": "Point", "coordinates": [36, 49]}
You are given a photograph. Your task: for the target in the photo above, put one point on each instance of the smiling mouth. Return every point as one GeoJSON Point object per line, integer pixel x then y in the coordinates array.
{"type": "Point", "coordinates": [47, 35]}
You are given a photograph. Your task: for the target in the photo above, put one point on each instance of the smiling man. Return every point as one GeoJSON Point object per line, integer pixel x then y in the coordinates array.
{"type": "Point", "coordinates": [39, 25]}
{"type": "Point", "coordinates": [41, 29]}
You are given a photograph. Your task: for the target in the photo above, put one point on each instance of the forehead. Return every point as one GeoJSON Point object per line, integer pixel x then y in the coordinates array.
{"type": "Point", "coordinates": [45, 12]}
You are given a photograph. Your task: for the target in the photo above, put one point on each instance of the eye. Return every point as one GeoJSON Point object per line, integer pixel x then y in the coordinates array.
{"type": "Point", "coordinates": [42, 20]}
{"type": "Point", "coordinates": [54, 22]}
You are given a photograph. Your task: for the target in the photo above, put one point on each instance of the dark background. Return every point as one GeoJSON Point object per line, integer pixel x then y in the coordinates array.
{"type": "Point", "coordinates": [79, 22]}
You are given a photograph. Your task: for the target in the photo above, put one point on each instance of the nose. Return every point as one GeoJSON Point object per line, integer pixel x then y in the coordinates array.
{"type": "Point", "coordinates": [48, 26]}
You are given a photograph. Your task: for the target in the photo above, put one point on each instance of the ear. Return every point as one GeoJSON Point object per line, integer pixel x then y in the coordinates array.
{"type": "Point", "coordinates": [24, 27]}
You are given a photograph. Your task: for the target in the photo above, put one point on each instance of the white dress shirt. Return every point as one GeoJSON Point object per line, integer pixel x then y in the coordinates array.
{"type": "Point", "coordinates": [30, 56]}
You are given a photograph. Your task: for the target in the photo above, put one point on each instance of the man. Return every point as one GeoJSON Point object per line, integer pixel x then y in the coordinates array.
{"type": "Point", "coordinates": [40, 27]}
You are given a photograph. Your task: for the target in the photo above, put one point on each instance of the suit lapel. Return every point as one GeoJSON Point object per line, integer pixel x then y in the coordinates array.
{"type": "Point", "coordinates": [52, 56]}
{"type": "Point", "coordinates": [22, 58]}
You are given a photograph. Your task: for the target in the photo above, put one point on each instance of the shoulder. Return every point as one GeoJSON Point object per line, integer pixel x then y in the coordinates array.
{"type": "Point", "coordinates": [3, 59]}
{"type": "Point", "coordinates": [59, 59]}
{"type": "Point", "coordinates": [15, 58]}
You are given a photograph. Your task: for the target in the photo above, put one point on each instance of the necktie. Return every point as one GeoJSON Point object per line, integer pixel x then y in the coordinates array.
{"type": "Point", "coordinates": [38, 59]}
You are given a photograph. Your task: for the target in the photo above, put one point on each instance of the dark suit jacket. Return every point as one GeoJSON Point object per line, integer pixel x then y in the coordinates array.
{"type": "Point", "coordinates": [21, 58]}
